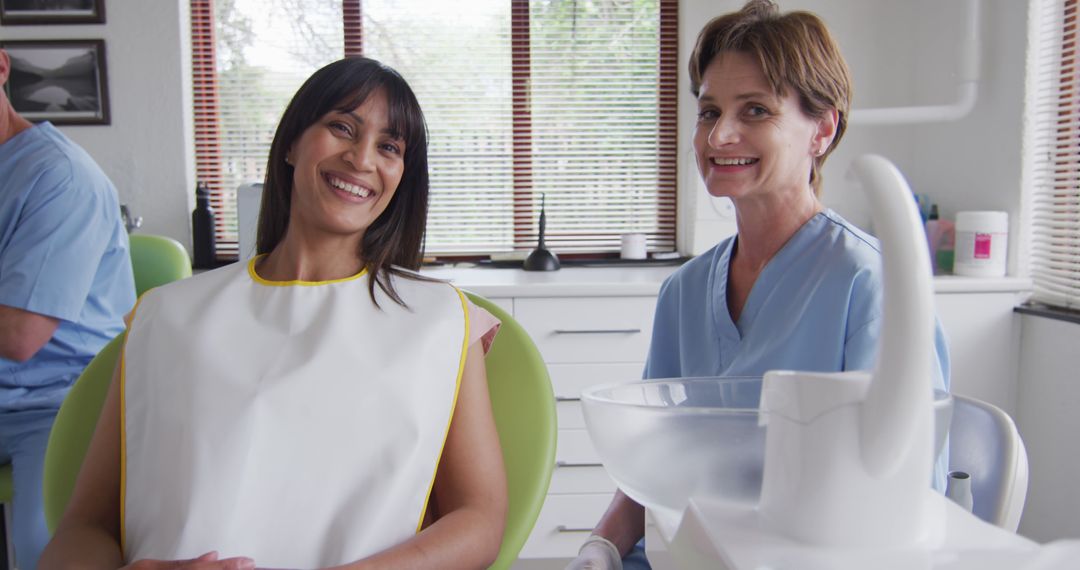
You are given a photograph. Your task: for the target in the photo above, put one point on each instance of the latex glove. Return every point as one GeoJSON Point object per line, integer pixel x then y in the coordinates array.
{"type": "Point", "coordinates": [598, 553]}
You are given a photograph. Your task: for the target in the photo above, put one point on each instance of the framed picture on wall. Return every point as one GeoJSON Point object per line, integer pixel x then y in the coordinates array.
{"type": "Point", "coordinates": [36, 12]}
{"type": "Point", "coordinates": [62, 81]}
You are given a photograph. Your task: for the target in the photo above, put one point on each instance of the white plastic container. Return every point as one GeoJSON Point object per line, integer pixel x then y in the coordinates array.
{"type": "Point", "coordinates": [633, 246]}
{"type": "Point", "coordinates": [982, 243]}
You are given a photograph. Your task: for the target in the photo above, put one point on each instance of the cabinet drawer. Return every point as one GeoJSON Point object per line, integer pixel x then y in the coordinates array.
{"type": "Point", "coordinates": [577, 466]}
{"type": "Point", "coordinates": [569, 414]}
{"type": "Point", "coordinates": [588, 478]}
{"type": "Point", "coordinates": [574, 448]}
{"type": "Point", "coordinates": [564, 523]}
{"type": "Point", "coordinates": [568, 380]}
{"type": "Point", "coordinates": [588, 329]}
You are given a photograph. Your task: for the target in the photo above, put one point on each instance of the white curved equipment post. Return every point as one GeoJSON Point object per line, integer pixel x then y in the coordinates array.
{"type": "Point", "coordinates": [900, 397]}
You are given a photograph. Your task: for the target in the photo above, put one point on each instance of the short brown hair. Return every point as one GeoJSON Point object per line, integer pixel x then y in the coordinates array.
{"type": "Point", "coordinates": [795, 51]}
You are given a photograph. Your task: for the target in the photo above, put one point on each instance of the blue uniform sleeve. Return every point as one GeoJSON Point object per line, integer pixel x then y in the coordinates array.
{"type": "Point", "coordinates": [48, 265]}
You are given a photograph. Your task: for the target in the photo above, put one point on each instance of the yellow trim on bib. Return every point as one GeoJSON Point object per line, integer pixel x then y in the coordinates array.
{"type": "Point", "coordinates": [453, 404]}
{"type": "Point", "coordinates": [256, 278]}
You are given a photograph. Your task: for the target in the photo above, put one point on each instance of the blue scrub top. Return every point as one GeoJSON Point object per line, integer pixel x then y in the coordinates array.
{"type": "Point", "coordinates": [816, 306]}
{"type": "Point", "coordinates": [63, 254]}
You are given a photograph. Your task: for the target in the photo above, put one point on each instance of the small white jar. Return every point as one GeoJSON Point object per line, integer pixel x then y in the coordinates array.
{"type": "Point", "coordinates": [633, 247]}
{"type": "Point", "coordinates": [982, 243]}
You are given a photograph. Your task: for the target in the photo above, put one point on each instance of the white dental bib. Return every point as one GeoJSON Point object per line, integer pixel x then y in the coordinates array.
{"type": "Point", "coordinates": [292, 422]}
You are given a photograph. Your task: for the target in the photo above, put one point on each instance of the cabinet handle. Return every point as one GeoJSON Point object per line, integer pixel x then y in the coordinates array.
{"type": "Point", "coordinates": [597, 331]}
{"type": "Point", "coordinates": [566, 399]}
{"type": "Point", "coordinates": [564, 528]}
{"type": "Point", "coordinates": [575, 464]}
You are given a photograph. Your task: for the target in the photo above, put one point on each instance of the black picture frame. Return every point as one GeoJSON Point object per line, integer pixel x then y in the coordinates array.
{"type": "Point", "coordinates": [50, 12]}
{"type": "Point", "coordinates": [61, 81]}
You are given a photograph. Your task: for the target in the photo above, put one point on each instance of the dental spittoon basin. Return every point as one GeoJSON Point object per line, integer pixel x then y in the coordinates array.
{"type": "Point", "coordinates": [666, 440]}
{"type": "Point", "coordinates": [809, 470]}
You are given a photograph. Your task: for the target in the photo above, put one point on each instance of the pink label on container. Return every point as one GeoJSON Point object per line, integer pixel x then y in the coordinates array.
{"type": "Point", "coordinates": [982, 246]}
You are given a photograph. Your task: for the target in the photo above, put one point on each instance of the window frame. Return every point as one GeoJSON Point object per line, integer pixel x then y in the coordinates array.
{"type": "Point", "coordinates": [1053, 160]}
{"type": "Point", "coordinates": [209, 157]}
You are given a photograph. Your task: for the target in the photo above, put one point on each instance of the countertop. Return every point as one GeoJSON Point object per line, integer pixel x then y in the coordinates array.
{"type": "Point", "coordinates": [638, 281]}
{"type": "Point", "coordinates": [566, 282]}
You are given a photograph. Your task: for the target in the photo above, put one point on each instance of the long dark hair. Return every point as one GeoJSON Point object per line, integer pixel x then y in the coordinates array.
{"type": "Point", "coordinates": [396, 238]}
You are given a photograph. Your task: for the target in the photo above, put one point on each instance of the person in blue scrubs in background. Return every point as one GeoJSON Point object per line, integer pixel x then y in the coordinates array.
{"type": "Point", "coordinates": [797, 287]}
{"type": "Point", "coordinates": [65, 285]}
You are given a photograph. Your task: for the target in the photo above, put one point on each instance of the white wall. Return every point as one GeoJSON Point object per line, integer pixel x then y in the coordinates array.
{"type": "Point", "coordinates": [1049, 423]}
{"type": "Point", "coordinates": [900, 54]}
{"type": "Point", "coordinates": [147, 149]}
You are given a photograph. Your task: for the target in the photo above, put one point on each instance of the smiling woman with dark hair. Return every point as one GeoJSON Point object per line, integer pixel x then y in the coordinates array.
{"type": "Point", "coordinates": [394, 239]}
{"type": "Point", "coordinates": [322, 405]}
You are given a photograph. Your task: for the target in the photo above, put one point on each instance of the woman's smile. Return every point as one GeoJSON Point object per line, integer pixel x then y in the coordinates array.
{"type": "Point", "coordinates": [721, 161]}
{"type": "Point", "coordinates": [724, 165]}
{"type": "Point", "coordinates": [347, 188]}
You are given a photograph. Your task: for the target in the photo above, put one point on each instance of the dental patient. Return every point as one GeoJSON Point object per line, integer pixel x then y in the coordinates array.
{"type": "Point", "coordinates": [320, 406]}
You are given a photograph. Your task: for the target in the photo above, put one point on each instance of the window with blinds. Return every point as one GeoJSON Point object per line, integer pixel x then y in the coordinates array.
{"type": "Point", "coordinates": [1054, 201]}
{"type": "Point", "coordinates": [573, 100]}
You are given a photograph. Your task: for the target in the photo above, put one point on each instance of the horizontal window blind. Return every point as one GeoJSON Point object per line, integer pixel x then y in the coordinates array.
{"type": "Point", "coordinates": [1055, 199]}
{"type": "Point", "coordinates": [457, 58]}
{"type": "Point", "coordinates": [570, 99]}
{"type": "Point", "coordinates": [250, 58]}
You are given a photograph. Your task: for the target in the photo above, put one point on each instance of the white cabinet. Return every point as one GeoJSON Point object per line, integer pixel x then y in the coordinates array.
{"type": "Point", "coordinates": [564, 522]}
{"type": "Point", "coordinates": [983, 335]}
{"type": "Point", "coordinates": [585, 341]}
{"type": "Point", "coordinates": [592, 326]}
{"type": "Point", "coordinates": [588, 329]}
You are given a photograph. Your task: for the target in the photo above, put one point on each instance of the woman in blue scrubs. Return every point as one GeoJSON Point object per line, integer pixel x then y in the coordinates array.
{"type": "Point", "coordinates": [798, 287]}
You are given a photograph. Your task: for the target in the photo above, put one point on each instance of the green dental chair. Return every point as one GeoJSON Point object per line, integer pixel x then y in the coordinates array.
{"type": "Point", "coordinates": [73, 428]}
{"type": "Point", "coordinates": [524, 407]}
{"type": "Point", "coordinates": [157, 260]}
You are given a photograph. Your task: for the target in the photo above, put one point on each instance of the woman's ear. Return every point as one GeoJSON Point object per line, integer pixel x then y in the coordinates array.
{"type": "Point", "coordinates": [826, 131]}
{"type": "Point", "coordinates": [290, 153]}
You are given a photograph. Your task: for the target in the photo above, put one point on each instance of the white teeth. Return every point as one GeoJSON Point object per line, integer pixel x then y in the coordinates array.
{"type": "Point", "coordinates": [733, 161]}
{"type": "Point", "coordinates": [353, 189]}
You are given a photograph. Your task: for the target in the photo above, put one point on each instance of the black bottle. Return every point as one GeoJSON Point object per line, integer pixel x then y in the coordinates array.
{"type": "Point", "coordinates": [202, 229]}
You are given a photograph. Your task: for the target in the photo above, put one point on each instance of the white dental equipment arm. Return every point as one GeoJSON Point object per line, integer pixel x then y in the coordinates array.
{"type": "Point", "coordinates": [862, 440]}
{"type": "Point", "coordinates": [900, 395]}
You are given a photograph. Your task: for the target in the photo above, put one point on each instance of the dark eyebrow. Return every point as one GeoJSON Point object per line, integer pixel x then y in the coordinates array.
{"type": "Point", "coordinates": [387, 131]}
